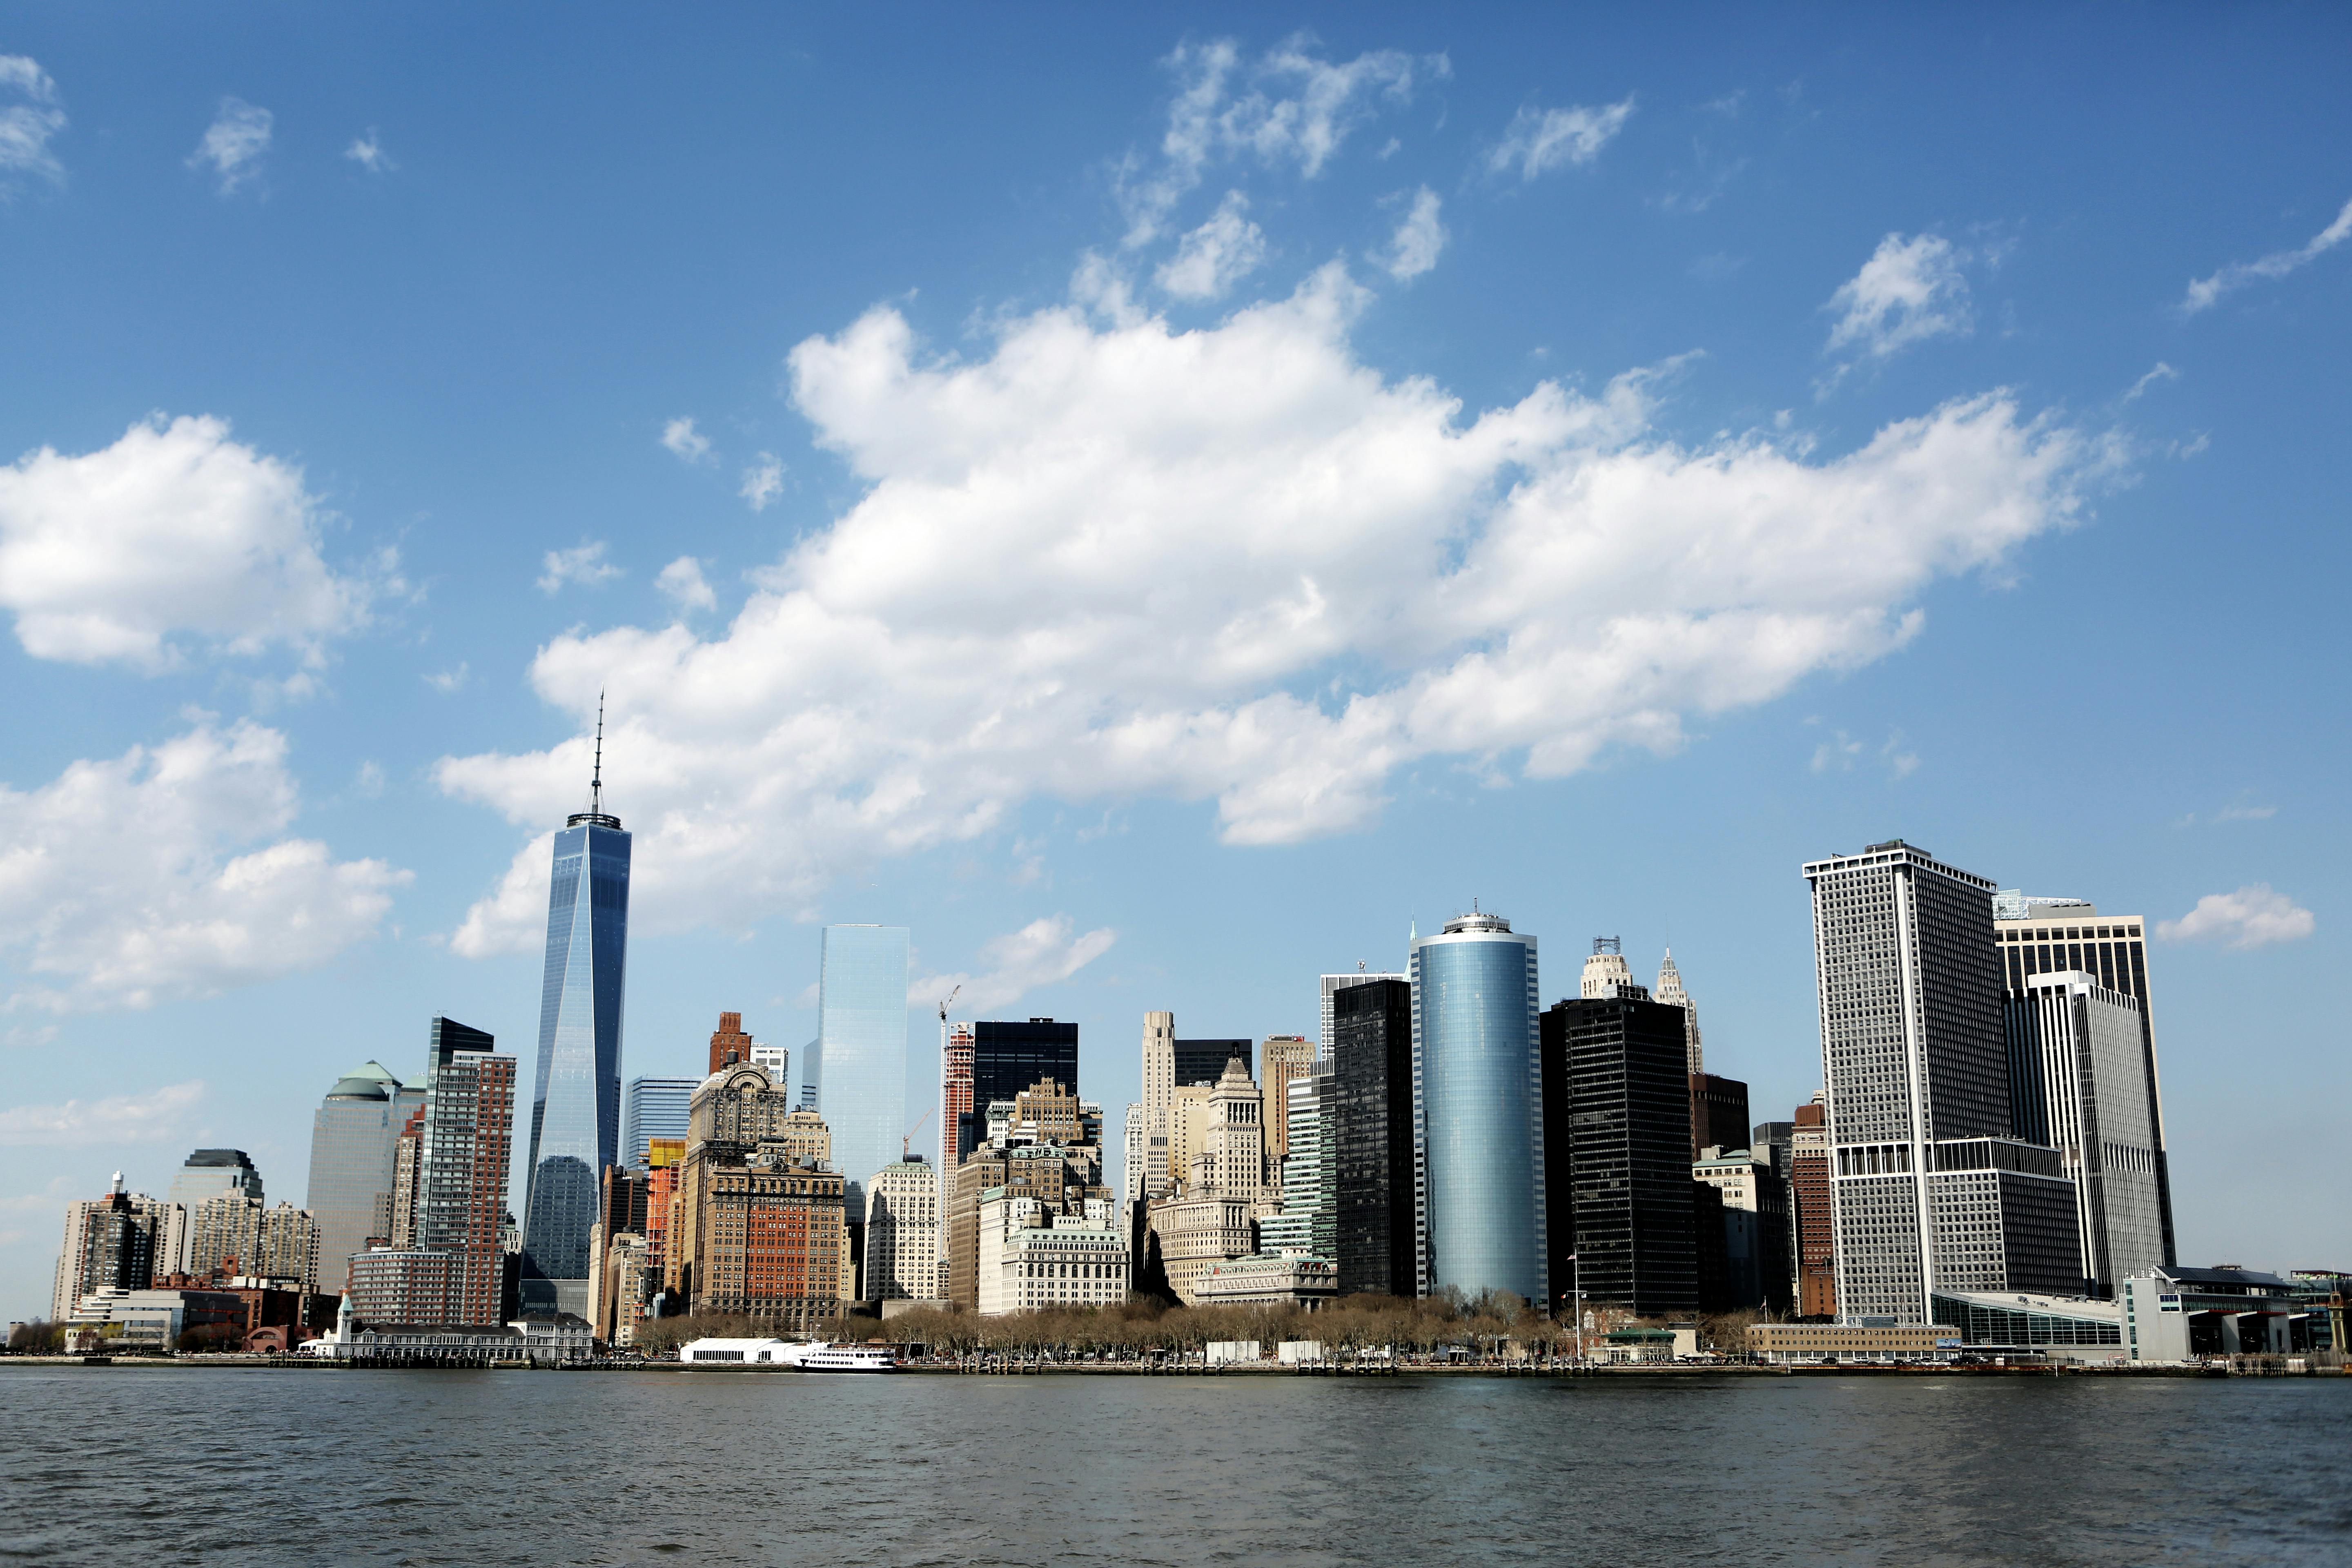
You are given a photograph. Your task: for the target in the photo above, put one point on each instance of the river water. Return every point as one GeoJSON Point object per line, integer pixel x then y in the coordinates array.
{"type": "Point", "coordinates": [113, 1466]}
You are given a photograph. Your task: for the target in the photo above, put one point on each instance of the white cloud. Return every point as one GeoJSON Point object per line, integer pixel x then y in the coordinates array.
{"type": "Point", "coordinates": [1413, 250]}
{"type": "Point", "coordinates": [30, 117]}
{"type": "Point", "coordinates": [683, 581]}
{"type": "Point", "coordinates": [1909, 291]}
{"type": "Point", "coordinates": [2254, 916]}
{"type": "Point", "coordinates": [122, 879]}
{"type": "Point", "coordinates": [763, 482]}
{"type": "Point", "coordinates": [1287, 109]}
{"type": "Point", "coordinates": [1043, 953]}
{"type": "Point", "coordinates": [446, 681]}
{"type": "Point", "coordinates": [2205, 291]}
{"type": "Point", "coordinates": [1540, 140]}
{"type": "Point", "coordinates": [1217, 255]}
{"type": "Point", "coordinates": [2162, 371]}
{"type": "Point", "coordinates": [173, 531]}
{"type": "Point", "coordinates": [368, 153]}
{"type": "Point", "coordinates": [150, 1118]}
{"type": "Point", "coordinates": [584, 563]}
{"type": "Point", "coordinates": [1838, 753]}
{"type": "Point", "coordinates": [1111, 560]}
{"type": "Point", "coordinates": [233, 144]}
{"type": "Point", "coordinates": [369, 781]}
{"type": "Point", "coordinates": [2245, 814]}
{"type": "Point", "coordinates": [683, 439]}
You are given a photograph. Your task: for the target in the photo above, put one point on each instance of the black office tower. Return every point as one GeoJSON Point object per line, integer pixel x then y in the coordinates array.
{"type": "Point", "coordinates": [1009, 1057]}
{"type": "Point", "coordinates": [1617, 1164]}
{"type": "Point", "coordinates": [1203, 1061]}
{"type": "Point", "coordinates": [1372, 1051]}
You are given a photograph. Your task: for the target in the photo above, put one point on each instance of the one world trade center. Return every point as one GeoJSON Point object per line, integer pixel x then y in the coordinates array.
{"type": "Point", "coordinates": [576, 1113]}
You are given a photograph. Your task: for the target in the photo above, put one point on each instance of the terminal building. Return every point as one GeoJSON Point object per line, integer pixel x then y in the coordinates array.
{"type": "Point", "coordinates": [2188, 1314]}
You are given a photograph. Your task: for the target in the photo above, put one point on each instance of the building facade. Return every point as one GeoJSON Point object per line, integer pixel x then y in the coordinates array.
{"type": "Point", "coordinates": [465, 1151]}
{"type": "Point", "coordinates": [1809, 1195]}
{"type": "Point", "coordinates": [1034, 1257]}
{"type": "Point", "coordinates": [1930, 1190]}
{"type": "Point", "coordinates": [114, 1243]}
{"type": "Point", "coordinates": [1478, 1107]}
{"type": "Point", "coordinates": [575, 1112]}
{"type": "Point", "coordinates": [903, 1215]}
{"type": "Point", "coordinates": [353, 1137]}
{"type": "Point", "coordinates": [1669, 990]}
{"type": "Point", "coordinates": [2038, 936]}
{"type": "Point", "coordinates": [1281, 1058]}
{"type": "Point", "coordinates": [2078, 1082]}
{"type": "Point", "coordinates": [956, 1053]}
{"type": "Point", "coordinates": [1371, 1156]}
{"type": "Point", "coordinates": [1308, 1223]}
{"type": "Point", "coordinates": [1159, 1174]}
{"type": "Point", "coordinates": [1330, 985]}
{"type": "Point", "coordinates": [655, 1108]}
{"type": "Point", "coordinates": [1755, 1199]}
{"type": "Point", "coordinates": [1007, 1057]}
{"type": "Point", "coordinates": [1617, 1155]}
{"type": "Point", "coordinates": [859, 1063]}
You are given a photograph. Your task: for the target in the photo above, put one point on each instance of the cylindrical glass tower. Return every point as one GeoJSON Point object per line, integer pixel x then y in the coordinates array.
{"type": "Point", "coordinates": [1477, 1109]}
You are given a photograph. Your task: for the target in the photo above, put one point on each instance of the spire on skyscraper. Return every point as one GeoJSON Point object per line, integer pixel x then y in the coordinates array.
{"type": "Point", "coordinates": [1669, 989]}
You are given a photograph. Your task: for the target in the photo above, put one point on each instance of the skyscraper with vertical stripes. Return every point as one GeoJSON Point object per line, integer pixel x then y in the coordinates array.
{"type": "Point", "coordinates": [575, 1109]}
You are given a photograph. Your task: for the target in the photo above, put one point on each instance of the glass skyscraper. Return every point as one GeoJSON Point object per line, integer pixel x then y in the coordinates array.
{"type": "Point", "coordinates": [858, 1067]}
{"type": "Point", "coordinates": [353, 1136]}
{"type": "Point", "coordinates": [575, 1110]}
{"type": "Point", "coordinates": [656, 1109]}
{"type": "Point", "coordinates": [1477, 1111]}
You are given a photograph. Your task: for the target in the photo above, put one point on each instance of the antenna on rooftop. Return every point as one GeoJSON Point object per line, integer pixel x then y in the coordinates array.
{"type": "Point", "coordinates": [1607, 945]}
{"type": "Point", "coordinates": [596, 780]}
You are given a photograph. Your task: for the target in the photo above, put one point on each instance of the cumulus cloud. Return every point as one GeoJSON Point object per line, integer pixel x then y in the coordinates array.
{"type": "Point", "coordinates": [1412, 249]}
{"type": "Point", "coordinates": [150, 1118]}
{"type": "Point", "coordinates": [1909, 291]}
{"type": "Point", "coordinates": [1286, 109]}
{"type": "Point", "coordinates": [1541, 139]}
{"type": "Point", "coordinates": [2162, 371]}
{"type": "Point", "coordinates": [584, 563]}
{"type": "Point", "coordinates": [368, 152]}
{"type": "Point", "coordinates": [30, 117]}
{"type": "Point", "coordinates": [175, 532]}
{"type": "Point", "coordinates": [1217, 255]}
{"type": "Point", "coordinates": [1112, 560]}
{"type": "Point", "coordinates": [233, 144]}
{"type": "Point", "coordinates": [2204, 292]}
{"type": "Point", "coordinates": [162, 873]}
{"type": "Point", "coordinates": [763, 482]}
{"type": "Point", "coordinates": [684, 440]}
{"type": "Point", "coordinates": [1041, 953]}
{"type": "Point", "coordinates": [2254, 916]}
{"type": "Point", "coordinates": [683, 582]}
{"type": "Point", "coordinates": [447, 682]}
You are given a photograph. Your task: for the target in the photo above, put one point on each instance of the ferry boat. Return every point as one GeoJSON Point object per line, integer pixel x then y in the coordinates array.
{"type": "Point", "coordinates": [820, 1356]}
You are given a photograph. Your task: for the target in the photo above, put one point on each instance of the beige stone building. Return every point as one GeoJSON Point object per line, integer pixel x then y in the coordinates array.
{"type": "Point", "coordinates": [1280, 1059]}
{"type": "Point", "coordinates": [902, 1232]}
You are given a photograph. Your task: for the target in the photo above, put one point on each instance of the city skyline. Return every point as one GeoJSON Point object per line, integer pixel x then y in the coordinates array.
{"type": "Point", "coordinates": [259, 822]}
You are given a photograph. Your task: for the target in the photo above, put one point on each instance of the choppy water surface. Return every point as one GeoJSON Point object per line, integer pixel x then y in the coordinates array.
{"type": "Point", "coordinates": [108, 1466]}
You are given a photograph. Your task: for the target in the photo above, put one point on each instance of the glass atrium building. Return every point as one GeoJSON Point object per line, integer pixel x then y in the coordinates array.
{"type": "Point", "coordinates": [1477, 1109]}
{"type": "Point", "coordinates": [575, 1111]}
{"type": "Point", "coordinates": [857, 1066]}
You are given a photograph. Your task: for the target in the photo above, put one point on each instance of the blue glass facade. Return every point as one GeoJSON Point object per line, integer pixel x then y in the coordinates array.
{"type": "Point", "coordinates": [1478, 1110]}
{"type": "Point", "coordinates": [575, 1112]}
{"type": "Point", "coordinates": [858, 1064]}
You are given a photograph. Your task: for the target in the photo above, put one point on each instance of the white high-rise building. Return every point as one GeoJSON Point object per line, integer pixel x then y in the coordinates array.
{"type": "Point", "coordinates": [1670, 991]}
{"type": "Point", "coordinates": [1234, 1138]}
{"type": "Point", "coordinates": [1931, 1189]}
{"type": "Point", "coordinates": [1158, 1101]}
{"type": "Point", "coordinates": [902, 1232]}
{"type": "Point", "coordinates": [2077, 1072]}
{"type": "Point", "coordinates": [1605, 970]}
{"type": "Point", "coordinates": [1334, 983]}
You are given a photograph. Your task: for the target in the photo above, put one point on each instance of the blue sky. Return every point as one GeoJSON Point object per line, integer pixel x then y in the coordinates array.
{"type": "Point", "coordinates": [1154, 501]}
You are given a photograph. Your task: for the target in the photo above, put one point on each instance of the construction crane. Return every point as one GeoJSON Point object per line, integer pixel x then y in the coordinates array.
{"type": "Point", "coordinates": [906, 1144]}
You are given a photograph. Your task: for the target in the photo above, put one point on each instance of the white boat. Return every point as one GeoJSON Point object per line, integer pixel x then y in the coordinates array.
{"type": "Point", "coordinates": [822, 1355]}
